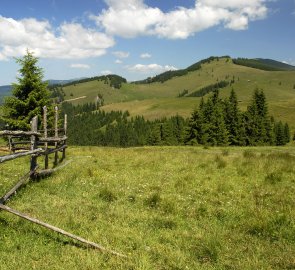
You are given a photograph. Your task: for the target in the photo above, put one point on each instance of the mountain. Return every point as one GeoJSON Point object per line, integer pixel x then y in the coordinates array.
{"type": "Point", "coordinates": [263, 64]}
{"type": "Point", "coordinates": [160, 96]}
{"type": "Point", "coordinates": [277, 64]}
{"type": "Point", "coordinates": [5, 91]}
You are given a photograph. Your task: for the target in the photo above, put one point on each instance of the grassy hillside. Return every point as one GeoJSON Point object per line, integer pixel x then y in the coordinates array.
{"type": "Point", "coordinates": [164, 207]}
{"type": "Point", "coordinates": [160, 99]}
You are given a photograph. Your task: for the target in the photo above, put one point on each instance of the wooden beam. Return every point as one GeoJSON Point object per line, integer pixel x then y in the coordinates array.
{"type": "Point", "coordinates": [53, 139]}
{"type": "Point", "coordinates": [18, 133]}
{"type": "Point", "coordinates": [34, 128]}
{"type": "Point", "coordinates": [22, 154]}
{"type": "Point", "coordinates": [60, 231]}
{"type": "Point", "coordinates": [13, 190]}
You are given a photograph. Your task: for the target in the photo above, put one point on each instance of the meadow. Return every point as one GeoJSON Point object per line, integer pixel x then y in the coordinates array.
{"type": "Point", "coordinates": [163, 207]}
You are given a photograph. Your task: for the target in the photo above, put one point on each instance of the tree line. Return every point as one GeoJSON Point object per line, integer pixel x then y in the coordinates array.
{"type": "Point", "coordinates": [117, 128]}
{"type": "Point", "coordinates": [217, 122]}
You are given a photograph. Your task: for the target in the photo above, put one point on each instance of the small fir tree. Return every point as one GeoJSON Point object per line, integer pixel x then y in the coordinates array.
{"type": "Point", "coordinates": [30, 94]}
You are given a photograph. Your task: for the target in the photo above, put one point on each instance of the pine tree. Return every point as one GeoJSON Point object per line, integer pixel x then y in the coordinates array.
{"type": "Point", "coordinates": [257, 122]}
{"type": "Point", "coordinates": [233, 120]}
{"type": "Point", "coordinates": [280, 134]}
{"type": "Point", "coordinates": [287, 133]}
{"type": "Point", "coordinates": [30, 94]}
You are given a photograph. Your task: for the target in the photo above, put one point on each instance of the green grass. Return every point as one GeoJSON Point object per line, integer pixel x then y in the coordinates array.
{"type": "Point", "coordinates": [157, 100]}
{"type": "Point", "coordinates": [164, 207]}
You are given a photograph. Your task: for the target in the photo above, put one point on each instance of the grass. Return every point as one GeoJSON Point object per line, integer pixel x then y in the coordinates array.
{"type": "Point", "coordinates": [165, 207]}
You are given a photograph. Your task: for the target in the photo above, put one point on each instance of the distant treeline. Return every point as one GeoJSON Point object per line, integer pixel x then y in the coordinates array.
{"type": "Point", "coordinates": [216, 122]}
{"type": "Point", "coordinates": [209, 88]}
{"type": "Point", "coordinates": [113, 80]}
{"type": "Point", "coordinates": [263, 64]}
{"type": "Point", "coordinates": [116, 128]}
{"type": "Point", "coordinates": [177, 73]}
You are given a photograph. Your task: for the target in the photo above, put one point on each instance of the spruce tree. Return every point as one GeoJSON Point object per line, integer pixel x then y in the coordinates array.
{"type": "Point", "coordinates": [257, 122]}
{"type": "Point", "coordinates": [30, 94]}
{"type": "Point", "coordinates": [287, 133]}
{"type": "Point", "coordinates": [233, 120]}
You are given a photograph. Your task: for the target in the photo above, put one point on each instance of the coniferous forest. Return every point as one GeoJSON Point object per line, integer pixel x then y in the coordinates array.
{"type": "Point", "coordinates": [217, 122]}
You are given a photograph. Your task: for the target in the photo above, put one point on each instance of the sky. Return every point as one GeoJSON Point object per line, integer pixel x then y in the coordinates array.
{"type": "Point", "coordinates": [140, 38]}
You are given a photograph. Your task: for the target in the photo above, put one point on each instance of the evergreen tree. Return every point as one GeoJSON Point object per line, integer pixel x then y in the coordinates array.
{"type": "Point", "coordinates": [280, 134]}
{"type": "Point", "coordinates": [257, 122]}
{"type": "Point", "coordinates": [30, 94]}
{"type": "Point", "coordinates": [233, 120]}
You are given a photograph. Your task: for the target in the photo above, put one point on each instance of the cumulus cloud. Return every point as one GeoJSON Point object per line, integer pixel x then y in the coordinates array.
{"type": "Point", "coordinates": [118, 61]}
{"type": "Point", "coordinates": [105, 72]}
{"type": "Point", "coordinates": [68, 41]}
{"type": "Point", "coordinates": [151, 68]}
{"type": "Point", "coordinates": [145, 55]}
{"type": "Point", "coordinates": [131, 18]}
{"type": "Point", "coordinates": [80, 66]}
{"type": "Point", "coordinates": [121, 54]}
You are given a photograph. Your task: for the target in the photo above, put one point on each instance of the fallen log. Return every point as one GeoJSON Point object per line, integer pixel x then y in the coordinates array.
{"type": "Point", "coordinates": [60, 231]}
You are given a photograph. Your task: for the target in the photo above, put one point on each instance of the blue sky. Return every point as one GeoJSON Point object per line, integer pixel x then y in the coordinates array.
{"type": "Point", "coordinates": [140, 38]}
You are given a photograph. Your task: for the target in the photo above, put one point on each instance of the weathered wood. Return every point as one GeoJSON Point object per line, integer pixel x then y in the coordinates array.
{"type": "Point", "coordinates": [53, 139]}
{"type": "Point", "coordinates": [56, 134]}
{"type": "Point", "coordinates": [13, 190]}
{"type": "Point", "coordinates": [20, 142]}
{"type": "Point", "coordinates": [53, 150]}
{"type": "Point", "coordinates": [65, 134]}
{"type": "Point", "coordinates": [60, 231]}
{"type": "Point", "coordinates": [19, 133]}
{"type": "Point", "coordinates": [21, 154]}
{"type": "Point", "coordinates": [48, 172]}
{"type": "Point", "coordinates": [45, 134]}
{"type": "Point", "coordinates": [34, 128]}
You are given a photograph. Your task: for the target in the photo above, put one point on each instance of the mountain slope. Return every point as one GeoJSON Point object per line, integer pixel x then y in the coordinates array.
{"type": "Point", "coordinates": [5, 91]}
{"type": "Point", "coordinates": [264, 64]}
{"type": "Point", "coordinates": [156, 100]}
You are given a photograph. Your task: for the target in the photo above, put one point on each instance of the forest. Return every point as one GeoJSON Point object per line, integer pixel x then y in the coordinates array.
{"type": "Point", "coordinates": [217, 122]}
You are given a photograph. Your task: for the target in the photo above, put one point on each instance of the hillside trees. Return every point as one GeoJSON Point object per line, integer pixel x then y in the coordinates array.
{"type": "Point", "coordinates": [30, 94]}
{"type": "Point", "coordinates": [220, 122]}
{"type": "Point", "coordinates": [207, 125]}
{"type": "Point", "coordinates": [258, 126]}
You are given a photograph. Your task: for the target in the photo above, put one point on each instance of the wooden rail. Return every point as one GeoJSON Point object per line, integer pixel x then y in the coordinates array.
{"type": "Point", "coordinates": [39, 143]}
{"type": "Point", "coordinates": [33, 149]}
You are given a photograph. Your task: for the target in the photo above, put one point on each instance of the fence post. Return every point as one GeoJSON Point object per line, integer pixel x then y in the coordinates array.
{"type": "Point", "coordinates": [56, 134]}
{"type": "Point", "coordinates": [45, 134]}
{"type": "Point", "coordinates": [65, 134]}
{"type": "Point", "coordinates": [34, 128]}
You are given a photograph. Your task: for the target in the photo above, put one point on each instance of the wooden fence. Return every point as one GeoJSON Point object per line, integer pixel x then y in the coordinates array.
{"type": "Point", "coordinates": [37, 143]}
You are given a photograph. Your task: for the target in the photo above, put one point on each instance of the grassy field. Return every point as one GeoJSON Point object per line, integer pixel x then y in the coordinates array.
{"type": "Point", "coordinates": [158, 100]}
{"type": "Point", "coordinates": [164, 207]}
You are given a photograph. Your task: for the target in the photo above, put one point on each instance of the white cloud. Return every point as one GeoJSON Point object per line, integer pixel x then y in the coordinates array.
{"type": "Point", "coordinates": [151, 68]}
{"type": "Point", "coordinates": [131, 18]}
{"type": "Point", "coordinates": [145, 55]}
{"type": "Point", "coordinates": [68, 41]}
{"type": "Point", "coordinates": [118, 61]}
{"type": "Point", "coordinates": [106, 72]}
{"type": "Point", "coordinates": [81, 66]}
{"type": "Point", "coordinates": [121, 54]}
